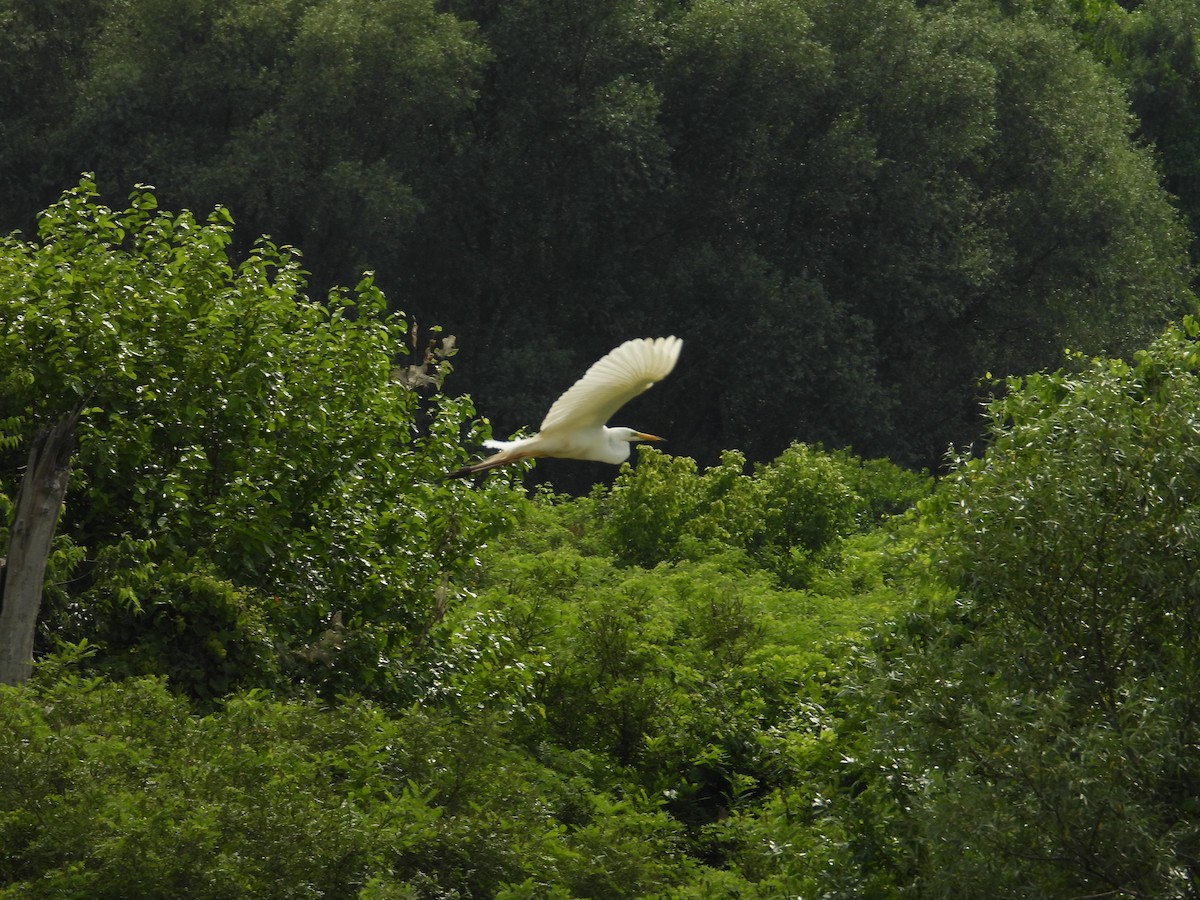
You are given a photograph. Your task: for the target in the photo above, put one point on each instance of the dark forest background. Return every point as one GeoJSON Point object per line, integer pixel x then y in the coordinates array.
{"type": "Point", "coordinates": [852, 213]}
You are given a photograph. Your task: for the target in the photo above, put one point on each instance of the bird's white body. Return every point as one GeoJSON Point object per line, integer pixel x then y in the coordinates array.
{"type": "Point", "coordinates": [574, 427]}
{"type": "Point", "coordinates": [613, 447]}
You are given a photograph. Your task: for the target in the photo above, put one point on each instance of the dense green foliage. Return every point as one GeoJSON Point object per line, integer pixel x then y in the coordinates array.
{"type": "Point", "coordinates": [118, 790]}
{"type": "Point", "coordinates": [863, 206]}
{"type": "Point", "coordinates": [591, 729]}
{"type": "Point", "coordinates": [277, 657]}
{"type": "Point", "coordinates": [993, 693]}
{"type": "Point", "coordinates": [1039, 737]}
{"type": "Point", "coordinates": [250, 473]}
{"type": "Point", "coordinates": [281, 656]}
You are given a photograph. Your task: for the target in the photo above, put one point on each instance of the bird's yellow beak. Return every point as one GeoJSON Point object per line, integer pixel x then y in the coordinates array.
{"type": "Point", "coordinates": [642, 436]}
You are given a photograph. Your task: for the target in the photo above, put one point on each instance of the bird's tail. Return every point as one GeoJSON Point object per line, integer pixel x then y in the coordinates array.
{"type": "Point", "coordinates": [507, 454]}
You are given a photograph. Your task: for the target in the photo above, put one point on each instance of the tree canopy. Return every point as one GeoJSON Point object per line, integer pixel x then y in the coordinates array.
{"type": "Point", "coordinates": [251, 471]}
{"type": "Point", "coordinates": [851, 213]}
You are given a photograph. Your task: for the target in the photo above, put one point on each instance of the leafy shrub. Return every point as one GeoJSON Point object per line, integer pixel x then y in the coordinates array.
{"type": "Point", "coordinates": [804, 505]}
{"type": "Point", "coordinates": [1041, 732]}
{"type": "Point", "coordinates": [703, 681]}
{"type": "Point", "coordinates": [206, 635]}
{"type": "Point", "coordinates": [884, 489]}
{"type": "Point", "coordinates": [788, 516]}
{"type": "Point", "coordinates": [118, 790]}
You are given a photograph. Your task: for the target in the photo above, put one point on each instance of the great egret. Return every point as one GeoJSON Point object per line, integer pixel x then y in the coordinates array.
{"type": "Point", "coordinates": [574, 427]}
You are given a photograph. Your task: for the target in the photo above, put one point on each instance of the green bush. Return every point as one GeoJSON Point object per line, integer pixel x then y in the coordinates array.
{"type": "Point", "coordinates": [115, 790]}
{"type": "Point", "coordinates": [206, 635]}
{"type": "Point", "coordinates": [118, 790]}
{"type": "Point", "coordinates": [1039, 735]}
{"type": "Point", "coordinates": [703, 681]}
{"type": "Point", "coordinates": [788, 516]}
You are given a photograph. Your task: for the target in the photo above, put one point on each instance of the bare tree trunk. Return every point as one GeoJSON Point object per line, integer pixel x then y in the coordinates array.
{"type": "Point", "coordinates": [35, 519]}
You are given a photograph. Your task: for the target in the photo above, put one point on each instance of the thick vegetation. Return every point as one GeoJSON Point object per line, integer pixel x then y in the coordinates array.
{"type": "Point", "coordinates": [850, 211]}
{"type": "Point", "coordinates": [280, 656]}
{"type": "Point", "coordinates": [254, 470]}
{"type": "Point", "coordinates": [1046, 740]}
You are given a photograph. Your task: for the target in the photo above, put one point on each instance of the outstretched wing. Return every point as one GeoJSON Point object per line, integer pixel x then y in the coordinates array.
{"type": "Point", "coordinates": [612, 382]}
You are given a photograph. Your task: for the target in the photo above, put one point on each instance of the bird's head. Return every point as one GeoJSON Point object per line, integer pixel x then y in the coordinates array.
{"type": "Point", "coordinates": [628, 434]}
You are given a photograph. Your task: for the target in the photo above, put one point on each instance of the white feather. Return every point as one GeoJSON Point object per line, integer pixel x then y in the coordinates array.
{"type": "Point", "coordinates": [574, 428]}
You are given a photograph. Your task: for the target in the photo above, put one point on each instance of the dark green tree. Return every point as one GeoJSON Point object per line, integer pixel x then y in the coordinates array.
{"type": "Point", "coordinates": [1152, 48]}
{"type": "Point", "coordinates": [317, 119]}
{"type": "Point", "coordinates": [851, 213]}
{"type": "Point", "coordinates": [945, 192]}
{"type": "Point", "coordinates": [43, 52]}
{"type": "Point", "coordinates": [852, 217]}
{"type": "Point", "coordinates": [539, 237]}
{"type": "Point", "coordinates": [1161, 39]}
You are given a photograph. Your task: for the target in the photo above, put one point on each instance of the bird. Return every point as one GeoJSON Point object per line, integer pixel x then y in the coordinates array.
{"type": "Point", "coordinates": [575, 428]}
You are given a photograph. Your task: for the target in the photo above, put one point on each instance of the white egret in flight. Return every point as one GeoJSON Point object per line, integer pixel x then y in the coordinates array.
{"type": "Point", "coordinates": [574, 427]}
